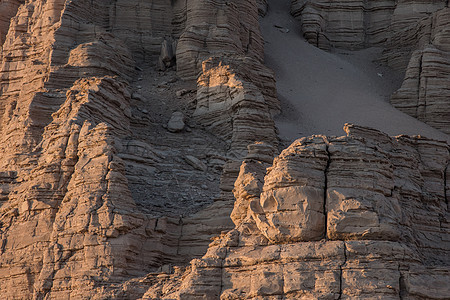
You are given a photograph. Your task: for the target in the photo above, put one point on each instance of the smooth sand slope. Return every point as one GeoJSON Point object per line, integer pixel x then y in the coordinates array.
{"type": "Point", "coordinates": [321, 91]}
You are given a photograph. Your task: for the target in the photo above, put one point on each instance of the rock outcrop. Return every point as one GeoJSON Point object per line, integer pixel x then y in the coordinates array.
{"type": "Point", "coordinates": [94, 190]}
{"type": "Point", "coordinates": [347, 24]}
{"type": "Point", "coordinates": [236, 99]}
{"type": "Point", "coordinates": [359, 216]}
{"type": "Point", "coordinates": [8, 9]}
{"type": "Point", "coordinates": [424, 93]}
{"type": "Point", "coordinates": [217, 27]}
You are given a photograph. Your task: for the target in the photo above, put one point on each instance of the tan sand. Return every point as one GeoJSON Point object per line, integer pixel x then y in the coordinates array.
{"type": "Point", "coordinates": [321, 91]}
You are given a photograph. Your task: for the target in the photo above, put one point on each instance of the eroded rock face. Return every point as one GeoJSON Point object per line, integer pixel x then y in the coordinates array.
{"type": "Point", "coordinates": [99, 200]}
{"type": "Point", "coordinates": [94, 191]}
{"type": "Point", "coordinates": [8, 9]}
{"type": "Point", "coordinates": [348, 24]}
{"type": "Point", "coordinates": [290, 208]}
{"type": "Point", "coordinates": [236, 100]}
{"type": "Point", "coordinates": [217, 28]}
{"type": "Point", "coordinates": [424, 93]}
{"type": "Point", "coordinates": [249, 184]}
{"type": "Point", "coordinates": [358, 216]}
{"type": "Point", "coordinates": [359, 24]}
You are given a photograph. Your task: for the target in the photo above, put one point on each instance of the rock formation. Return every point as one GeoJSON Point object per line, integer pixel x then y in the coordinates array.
{"type": "Point", "coordinates": [104, 195]}
{"type": "Point", "coordinates": [8, 9]}
{"type": "Point", "coordinates": [94, 190]}
{"type": "Point", "coordinates": [414, 35]}
{"type": "Point", "coordinates": [424, 93]}
{"type": "Point", "coordinates": [349, 24]}
{"type": "Point", "coordinates": [312, 229]}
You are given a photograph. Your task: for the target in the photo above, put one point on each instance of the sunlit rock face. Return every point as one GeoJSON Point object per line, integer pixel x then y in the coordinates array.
{"type": "Point", "coordinates": [94, 191]}
{"type": "Point", "coordinates": [236, 98]}
{"type": "Point", "coordinates": [99, 199]}
{"type": "Point", "coordinates": [415, 38]}
{"type": "Point", "coordinates": [358, 216]}
{"type": "Point", "coordinates": [290, 207]}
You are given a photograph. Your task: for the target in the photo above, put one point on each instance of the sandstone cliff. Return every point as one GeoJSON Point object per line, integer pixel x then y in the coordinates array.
{"type": "Point", "coordinates": [361, 216]}
{"type": "Point", "coordinates": [94, 190]}
{"type": "Point", "coordinates": [123, 127]}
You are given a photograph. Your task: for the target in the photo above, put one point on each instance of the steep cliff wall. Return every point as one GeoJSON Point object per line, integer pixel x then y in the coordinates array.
{"type": "Point", "coordinates": [100, 197]}
{"type": "Point", "coordinates": [424, 93]}
{"type": "Point", "coordinates": [359, 216]}
{"type": "Point", "coordinates": [8, 9]}
{"type": "Point", "coordinates": [349, 24]}
{"type": "Point", "coordinates": [94, 190]}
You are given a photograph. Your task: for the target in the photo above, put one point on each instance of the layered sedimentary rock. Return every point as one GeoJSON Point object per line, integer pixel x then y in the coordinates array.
{"type": "Point", "coordinates": [410, 29]}
{"type": "Point", "coordinates": [94, 191]}
{"type": "Point", "coordinates": [359, 216]}
{"type": "Point", "coordinates": [236, 99]}
{"type": "Point", "coordinates": [59, 217]}
{"type": "Point", "coordinates": [142, 25]}
{"type": "Point", "coordinates": [99, 198]}
{"type": "Point", "coordinates": [414, 35]}
{"type": "Point", "coordinates": [8, 9]}
{"type": "Point", "coordinates": [40, 63]}
{"type": "Point", "coordinates": [350, 24]}
{"type": "Point", "coordinates": [425, 93]}
{"type": "Point", "coordinates": [357, 24]}
{"type": "Point", "coordinates": [217, 27]}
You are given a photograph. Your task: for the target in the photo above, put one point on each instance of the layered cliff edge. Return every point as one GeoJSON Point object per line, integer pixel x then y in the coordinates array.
{"type": "Point", "coordinates": [332, 218]}
{"type": "Point", "coordinates": [413, 34]}
{"type": "Point", "coordinates": [125, 124]}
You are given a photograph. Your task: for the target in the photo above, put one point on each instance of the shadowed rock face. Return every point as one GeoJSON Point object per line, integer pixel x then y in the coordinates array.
{"type": "Point", "coordinates": [349, 24]}
{"type": "Point", "coordinates": [424, 94]}
{"type": "Point", "coordinates": [414, 35]}
{"type": "Point", "coordinates": [99, 199]}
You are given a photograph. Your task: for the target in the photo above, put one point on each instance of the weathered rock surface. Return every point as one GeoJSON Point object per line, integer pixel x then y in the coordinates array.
{"type": "Point", "coordinates": [353, 24]}
{"type": "Point", "coordinates": [93, 190]}
{"type": "Point", "coordinates": [217, 28]}
{"type": "Point", "coordinates": [176, 122]}
{"type": "Point", "coordinates": [425, 93]}
{"type": "Point", "coordinates": [359, 216]}
{"type": "Point", "coordinates": [8, 9]}
{"type": "Point", "coordinates": [235, 100]}
{"type": "Point", "coordinates": [359, 24]}
{"type": "Point", "coordinates": [99, 200]}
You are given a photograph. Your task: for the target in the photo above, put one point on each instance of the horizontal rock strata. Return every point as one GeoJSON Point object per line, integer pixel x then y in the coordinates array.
{"type": "Point", "coordinates": [359, 216]}
{"type": "Point", "coordinates": [349, 24]}
{"type": "Point", "coordinates": [100, 199]}
{"type": "Point", "coordinates": [94, 191]}
{"type": "Point", "coordinates": [425, 93]}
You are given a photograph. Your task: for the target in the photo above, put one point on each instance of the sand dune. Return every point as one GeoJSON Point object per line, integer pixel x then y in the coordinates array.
{"type": "Point", "coordinates": [321, 91]}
